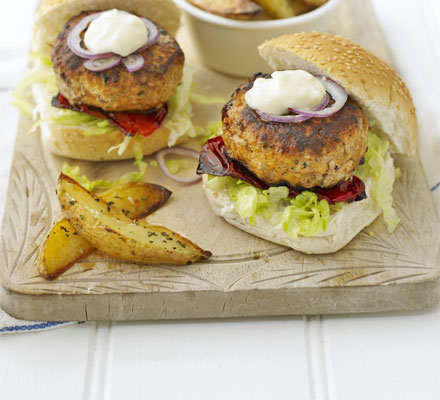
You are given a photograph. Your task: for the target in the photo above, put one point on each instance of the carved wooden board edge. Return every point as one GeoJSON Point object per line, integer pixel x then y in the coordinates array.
{"type": "Point", "coordinates": [209, 304]}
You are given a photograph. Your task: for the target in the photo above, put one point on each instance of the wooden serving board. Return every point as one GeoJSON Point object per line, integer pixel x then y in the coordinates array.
{"type": "Point", "coordinates": [246, 276]}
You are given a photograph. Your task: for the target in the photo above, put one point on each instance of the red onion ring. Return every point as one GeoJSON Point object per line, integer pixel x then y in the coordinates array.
{"type": "Point", "coordinates": [293, 118]}
{"type": "Point", "coordinates": [103, 63]}
{"type": "Point", "coordinates": [338, 94]}
{"type": "Point", "coordinates": [282, 118]}
{"type": "Point", "coordinates": [133, 62]}
{"type": "Point", "coordinates": [74, 39]}
{"type": "Point", "coordinates": [74, 43]}
{"type": "Point", "coordinates": [320, 106]}
{"type": "Point", "coordinates": [153, 34]}
{"type": "Point", "coordinates": [180, 151]}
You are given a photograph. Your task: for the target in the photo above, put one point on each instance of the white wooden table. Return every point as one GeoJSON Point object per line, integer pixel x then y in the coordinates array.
{"type": "Point", "coordinates": [340, 357]}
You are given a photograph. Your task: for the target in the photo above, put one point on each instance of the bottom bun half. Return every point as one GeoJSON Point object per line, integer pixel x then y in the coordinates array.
{"type": "Point", "coordinates": [344, 225]}
{"type": "Point", "coordinates": [70, 142]}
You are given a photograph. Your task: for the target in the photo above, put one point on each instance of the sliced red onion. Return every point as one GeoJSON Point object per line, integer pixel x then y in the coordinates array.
{"type": "Point", "coordinates": [323, 103]}
{"type": "Point", "coordinates": [287, 119]}
{"type": "Point", "coordinates": [74, 39]}
{"type": "Point", "coordinates": [153, 34]}
{"type": "Point", "coordinates": [103, 63]}
{"type": "Point", "coordinates": [320, 106]}
{"type": "Point", "coordinates": [180, 151]}
{"type": "Point", "coordinates": [338, 94]}
{"type": "Point", "coordinates": [133, 62]}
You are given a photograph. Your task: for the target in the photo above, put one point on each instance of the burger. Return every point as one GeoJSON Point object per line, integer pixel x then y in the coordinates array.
{"type": "Point", "coordinates": [305, 156]}
{"type": "Point", "coordinates": [109, 75]}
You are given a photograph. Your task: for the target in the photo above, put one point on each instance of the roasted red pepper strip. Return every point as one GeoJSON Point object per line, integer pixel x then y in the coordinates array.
{"type": "Point", "coordinates": [129, 123]}
{"type": "Point", "coordinates": [214, 160]}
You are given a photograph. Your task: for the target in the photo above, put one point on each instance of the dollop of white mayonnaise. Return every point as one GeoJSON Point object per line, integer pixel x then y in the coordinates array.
{"type": "Point", "coordinates": [116, 32]}
{"type": "Point", "coordinates": [287, 89]}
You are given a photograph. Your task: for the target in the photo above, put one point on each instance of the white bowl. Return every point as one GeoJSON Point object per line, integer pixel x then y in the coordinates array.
{"type": "Point", "coordinates": [230, 46]}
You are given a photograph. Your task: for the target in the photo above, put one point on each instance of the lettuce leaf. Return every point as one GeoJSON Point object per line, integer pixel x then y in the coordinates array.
{"type": "Point", "coordinates": [382, 189]}
{"type": "Point", "coordinates": [75, 173]}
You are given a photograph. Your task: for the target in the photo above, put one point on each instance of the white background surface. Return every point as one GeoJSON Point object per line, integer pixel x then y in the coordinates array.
{"type": "Point", "coordinates": [341, 357]}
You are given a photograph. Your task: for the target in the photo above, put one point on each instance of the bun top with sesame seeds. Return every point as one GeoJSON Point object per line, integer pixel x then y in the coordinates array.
{"type": "Point", "coordinates": [376, 87]}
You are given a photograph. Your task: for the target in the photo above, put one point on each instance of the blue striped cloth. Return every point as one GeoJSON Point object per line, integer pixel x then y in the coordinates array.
{"type": "Point", "coordinates": [10, 324]}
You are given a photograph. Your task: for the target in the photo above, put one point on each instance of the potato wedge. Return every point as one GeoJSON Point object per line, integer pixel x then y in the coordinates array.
{"type": "Point", "coordinates": [112, 232]}
{"type": "Point", "coordinates": [137, 199]}
{"type": "Point", "coordinates": [314, 3]}
{"type": "Point", "coordinates": [283, 8]}
{"type": "Point", "coordinates": [61, 249]}
{"type": "Point", "coordinates": [236, 9]}
{"type": "Point", "coordinates": [63, 246]}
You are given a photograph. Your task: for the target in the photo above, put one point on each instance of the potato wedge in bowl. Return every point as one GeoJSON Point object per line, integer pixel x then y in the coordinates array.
{"type": "Point", "coordinates": [283, 8]}
{"type": "Point", "coordinates": [63, 246]}
{"type": "Point", "coordinates": [236, 9]}
{"type": "Point", "coordinates": [108, 229]}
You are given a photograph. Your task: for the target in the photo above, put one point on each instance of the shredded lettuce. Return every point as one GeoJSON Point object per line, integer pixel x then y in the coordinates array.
{"type": "Point", "coordinates": [179, 116]}
{"type": "Point", "coordinates": [174, 166]}
{"type": "Point", "coordinates": [90, 125]}
{"type": "Point", "coordinates": [40, 57]}
{"type": "Point", "coordinates": [381, 190]}
{"type": "Point", "coordinates": [75, 173]}
{"type": "Point", "coordinates": [39, 73]}
{"type": "Point", "coordinates": [180, 111]}
{"type": "Point", "coordinates": [205, 100]}
{"type": "Point", "coordinates": [216, 183]}
{"type": "Point", "coordinates": [42, 73]}
{"type": "Point", "coordinates": [121, 147]}
{"type": "Point", "coordinates": [212, 129]}
{"type": "Point", "coordinates": [22, 103]}
{"type": "Point", "coordinates": [305, 215]}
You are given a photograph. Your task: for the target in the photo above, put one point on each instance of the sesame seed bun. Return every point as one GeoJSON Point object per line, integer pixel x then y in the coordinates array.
{"type": "Point", "coordinates": [53, 14]}
{"type": "Point", "coordinates": [387, 104]}
{"type": "Point", "coordinates": [376, 87]}
{"type": "Point", "coordinates": [69, 141]}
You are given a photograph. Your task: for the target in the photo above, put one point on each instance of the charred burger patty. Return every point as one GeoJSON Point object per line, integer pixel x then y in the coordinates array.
{"type": "Point", "coordinates": [116, 89]}
{"type": "Point", "coordinates": [319, 152]}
